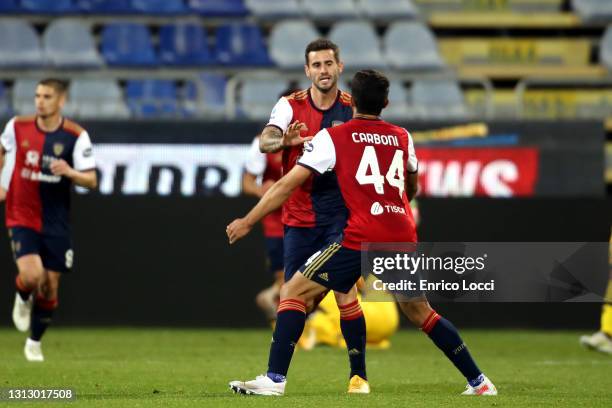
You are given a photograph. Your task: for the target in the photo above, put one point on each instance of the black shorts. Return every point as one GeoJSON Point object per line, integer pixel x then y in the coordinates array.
{"type": "Point", "coordinates": [274, 251]}
{"type": "Point", "coordinates": [301, 242]}
{"type": "Point", "coordinates": [334, 266]}
{"type": "Point", "coordinates": [55, 251]}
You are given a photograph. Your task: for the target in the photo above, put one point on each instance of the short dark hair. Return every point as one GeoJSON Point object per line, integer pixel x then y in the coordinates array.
{"type": "Point", "coordinates": [370, 90]}
{"type": "Point", "coordinates": [321, 44]}
{"type": "Point", "coordinates": [59, 85]}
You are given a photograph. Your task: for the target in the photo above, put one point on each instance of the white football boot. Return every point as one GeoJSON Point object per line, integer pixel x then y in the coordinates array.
{"type": "Point", "coordinates": [22, 312]}
{"type": "Point", "coordinates": [485, 388]}
{"type": "Point", "coordinates": [598, 341]}
{"type": "Point", "coordinates": [33, 351]}
{"type": "Point", "coordinates": [261, 385]}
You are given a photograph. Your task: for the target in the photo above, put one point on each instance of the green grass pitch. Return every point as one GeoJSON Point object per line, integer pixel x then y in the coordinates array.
{"type": "Point", "coordinates": [188, 368]}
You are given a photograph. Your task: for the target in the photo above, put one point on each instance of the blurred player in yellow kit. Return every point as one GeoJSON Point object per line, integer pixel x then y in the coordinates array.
{"type": "Point", "coordinates": [602, 340]}
{"type": "Point", "coordinates": [323, 326]}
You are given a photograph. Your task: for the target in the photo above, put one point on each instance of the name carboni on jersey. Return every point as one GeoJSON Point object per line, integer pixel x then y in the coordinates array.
{"type": "Point", "coordinates": [375, 138]}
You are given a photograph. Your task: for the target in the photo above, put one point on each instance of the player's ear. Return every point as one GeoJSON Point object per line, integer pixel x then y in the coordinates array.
{"type": "Point", "coordinates": [62, 99]}
{"type": "Point", "coordinates": [386, 103]}
{"type": "Point", "coordinates": [340, 66]}
{"type": "Point", "coordinates": [307, 70]}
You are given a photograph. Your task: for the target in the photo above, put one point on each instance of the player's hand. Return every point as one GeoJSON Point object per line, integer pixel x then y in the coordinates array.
{"type": "Point", "coordinates": [61, 168]}
{"type": "Point", "coordinates": [238, 229]}
{"type": "Point", "coordinates": [2, 194]}
{"type": "Point", "coordinates": [292, 135]}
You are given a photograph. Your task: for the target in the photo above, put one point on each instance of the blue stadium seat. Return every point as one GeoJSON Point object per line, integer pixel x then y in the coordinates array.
{"type": "Point", "coordinates": [241, 44]}
{"type": "Point", "coordinates": [274, 8]}
{"type": "Point", "coordinates": [69, 43]}
{"type": "Point", "coordinates": [8, 6]}
{"type": "Point", "coordinates": [218, 8]}
{"type": "Point", "coordinates": [158, 6]}
{"type": "Point", "coordinates": [105, 6]}
{"type": "Point", "coordinates": [152, 98]}
{"type": "Point", "coordinates": [20, 45]}
{"type": "Point", "coordinates": [206, 96]}
{"type": "Point", "coordinates": [127, 44]}
{"type": "Point", "coordinates": [48, 6]}
{"type": "Point", "coordinates": [183, 44]}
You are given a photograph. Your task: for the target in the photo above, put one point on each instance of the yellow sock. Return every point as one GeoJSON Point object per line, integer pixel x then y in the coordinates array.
{"type": "Point", "coordinates": [606, 320]}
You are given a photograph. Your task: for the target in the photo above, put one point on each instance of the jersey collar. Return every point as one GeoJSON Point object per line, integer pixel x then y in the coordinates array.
{"type": "Point", "coordinates": [315, 106]}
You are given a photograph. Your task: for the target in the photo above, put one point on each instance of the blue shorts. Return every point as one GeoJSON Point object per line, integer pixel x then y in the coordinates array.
{"type": "Point", "coordinates": [334, 266]}
{"type": "Point", "coordinates": [274, 251]}
{"type": "Point", "coordinates": [300, 243]}
{"type": "Point", "coordinates": [55, 251]}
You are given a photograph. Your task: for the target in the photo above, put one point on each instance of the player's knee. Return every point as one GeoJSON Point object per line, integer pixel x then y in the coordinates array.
{"type": "Point", "coordinates": [32, 277]}
{"type": "Point", "coordinates": [416, 312]}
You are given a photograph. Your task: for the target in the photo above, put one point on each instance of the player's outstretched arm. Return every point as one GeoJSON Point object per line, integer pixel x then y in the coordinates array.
{"type": "Point", "coordinates": [87, 179]}
{"type": "Point", "coordinates": [272, 200]}
{"type": "Point", "coordinates": [273, 140]}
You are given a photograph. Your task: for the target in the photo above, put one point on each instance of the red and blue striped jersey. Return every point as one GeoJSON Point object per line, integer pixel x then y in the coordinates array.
{"type": "Point", "coordinates": [317, 202]}
{"type": "Point", "coordinates": [36, 198]}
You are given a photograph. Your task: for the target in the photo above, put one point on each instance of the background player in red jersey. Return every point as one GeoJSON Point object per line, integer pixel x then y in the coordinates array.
{"type": "Point", "coordinates": [261, 171]}
{"type": "Point", "coordinates": [42, 155]}
{"type": "Point", "coordinates": [315, 214]}
{"type": "Point", "coordinates": [267, 166]}
{"type": "Point", "coordinates": [359, 161]}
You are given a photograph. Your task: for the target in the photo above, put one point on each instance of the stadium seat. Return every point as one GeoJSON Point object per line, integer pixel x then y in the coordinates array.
{"type": "Point", "coordinates": [258, 96]}
{"type": "Point", "coordinates": [158, 6]}
{"type": "Point", "coordinates": [69, 43]}
{"type": "Point", "coordinates": [438, 99]}
{"type": "Point", "coordinates": [593, 10]}
{"type": "Point", "coordinates": [241, 44]}
{"type": "Point", "coordinates": [205, 96]}
{"type": "Point", "coordinates": [152, 98]}
{"type": "Point", "coordinates": [183, 44]}
{"type": "Point", "coordinates": [8, 6]}
{"type": "Point", "coordinates": [218, 8]}
{"type": "Point", "coordinates": [5, 105]}
{"type": "Point", "coordinates": [23, 96]}
{"type": "Point", "coordinates": [388, 9]}
{"type": "Point", "coordinates": [411, 45]}
{"type": "Point", "coordinates": [127, 44]}
{"type": "Point", "coordinates": [274, 8]}
{"type": "Point", "coordinates": [330, 10]}
{"type": "Point", "coordinates": [605, 48]}
{"type": "Point", "coordinates": [287, 37]}
{"type": "Point", "coordinates": [96, 98]}
{"type": "Point", "coordinates": [105, 6]}
{"type": "Point", "coordinates": [20, 45]}
{"type": "Point", "coordinates": [48, 6]}
{"type": "Point", "coordinates": [359, 44]}
{"type": "Point", "coordinates": [398, 107]}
